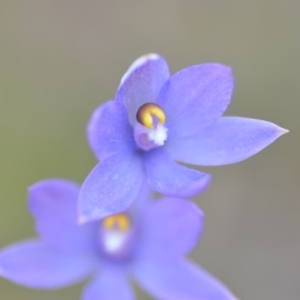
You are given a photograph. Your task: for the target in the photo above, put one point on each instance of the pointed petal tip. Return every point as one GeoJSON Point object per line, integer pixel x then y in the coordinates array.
{"type": "Point", "coordinates": [283, 130]}
{"type": "Point", "coordinates": [280, 130]}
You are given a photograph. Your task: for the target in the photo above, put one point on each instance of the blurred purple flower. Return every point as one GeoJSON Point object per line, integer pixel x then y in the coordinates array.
{"type": "Point", "coordinates": [156, 119]}
{"type": "Point", "coordinates": [148, 243]}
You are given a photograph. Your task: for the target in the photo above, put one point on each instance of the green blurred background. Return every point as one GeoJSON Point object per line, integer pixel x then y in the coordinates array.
{"type": "Point", "coordinates": [60, 59]}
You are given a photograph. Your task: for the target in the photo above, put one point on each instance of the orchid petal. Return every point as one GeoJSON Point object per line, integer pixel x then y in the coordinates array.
{"type": "Point", "coordinates": [144, 197]}
{"type": "Point", "coordinates": [195, 97]}
{"type": "Point", "coordinates": [110, 285]}
{"type": "Point", "coordinates": [110, 189]}
{"type": "Point", "coordinates": [53, 203]}
{"type": "Point", "coordinates": [171, 179]}
{"type": "Point", "coordinates": [34, 264]}
{"type": "Point", "coordinates": [109, 133]}
{"type": "Point", "coordinates": [229, 140]}
{"type": "Point", "coordinates": [177, 280]}
{"type": "Point", "coordinates": [142, 82]}
{"type": "Point", "coordinates": [171, 228]}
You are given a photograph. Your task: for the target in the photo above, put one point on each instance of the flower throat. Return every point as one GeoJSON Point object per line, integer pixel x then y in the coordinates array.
{"type": "Point", "coordinates": [149, 130]}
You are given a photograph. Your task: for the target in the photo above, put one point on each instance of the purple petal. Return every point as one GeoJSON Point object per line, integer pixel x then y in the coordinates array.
{"type": "Point", "coordinates": [144, 197]}
{"type": "Point", "coordinates": [229, 140]}
{"type": "Point", "coordinates": [195, 97]}
{"type": "Point", "coordinates": [110, 189]}
{"type": "Point", "coordinates": [171, 228]}
{"type": "Point", "coordinates": [177, 280]}
{"type": "Point", "coordinates": [142, 83]}
{"type": "Point", "coordinates": [171, 179]}
{"type": "Point", "coordinates": [109, 133]}
{"type": "Point", "coordinates": [53, 203]}
{"type": "Point", "coordinates": [110, 285]}
{"type": "Point", "coordinates": [34, 264]}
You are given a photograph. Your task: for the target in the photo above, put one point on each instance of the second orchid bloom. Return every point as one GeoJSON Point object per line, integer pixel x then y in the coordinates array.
{"type": "Point", "coordinates": [147, 243]}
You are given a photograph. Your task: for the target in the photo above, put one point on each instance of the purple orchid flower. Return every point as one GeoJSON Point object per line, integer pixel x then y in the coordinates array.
{"type": "Point", "coordinates": [156, 120]}
{"type": "Point", "coordinates": [148, 243]}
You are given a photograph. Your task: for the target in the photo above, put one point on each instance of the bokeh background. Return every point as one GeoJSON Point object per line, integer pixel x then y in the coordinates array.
{"type": "Point", "coordinates": [60, 59]}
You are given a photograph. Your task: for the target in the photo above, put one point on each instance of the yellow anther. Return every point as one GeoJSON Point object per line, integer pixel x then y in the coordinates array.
{"type": "Point", "coordinates": [119, 222]}
{"type": "Point", "coordinates": [146, 112]}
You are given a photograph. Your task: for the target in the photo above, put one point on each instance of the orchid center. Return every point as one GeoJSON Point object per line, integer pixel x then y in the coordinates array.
{"type": "Point", "coordinates": [119, 222]}
{"type": "Point", "coordinates": [116, 236]}
{"type": "Point", "coordinates": [150, 131]}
